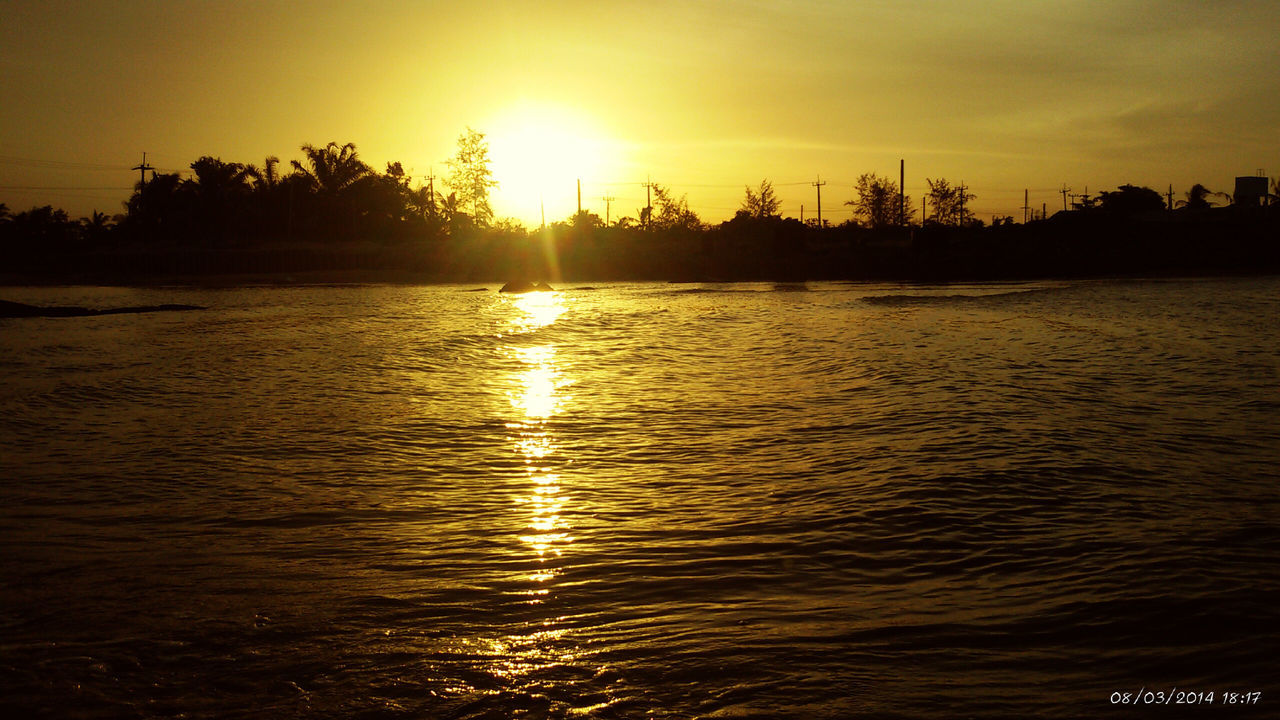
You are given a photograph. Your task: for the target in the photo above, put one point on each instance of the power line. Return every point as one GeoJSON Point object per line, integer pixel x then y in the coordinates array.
{"type": "Point", "coordinates": [61, 187]}
{"type": "Point", "coordinates": [58, 164]}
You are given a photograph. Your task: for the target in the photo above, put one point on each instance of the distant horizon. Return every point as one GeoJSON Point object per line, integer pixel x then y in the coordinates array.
{"type": "Point", "coordinates": [705, 99]}
{"type": "Point", "coordinates": [799, 198]}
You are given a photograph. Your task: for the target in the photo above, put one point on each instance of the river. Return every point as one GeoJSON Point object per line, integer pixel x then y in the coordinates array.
{"type": "Point", "coordinates": [820, 500]}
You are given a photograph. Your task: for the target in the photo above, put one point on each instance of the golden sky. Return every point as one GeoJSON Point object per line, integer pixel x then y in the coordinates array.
{"type": "Point", "coordinates": [705, 97]}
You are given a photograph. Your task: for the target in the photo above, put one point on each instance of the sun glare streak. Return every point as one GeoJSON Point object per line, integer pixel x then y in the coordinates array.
{"type": "Point", "coordinates": [547, 243]}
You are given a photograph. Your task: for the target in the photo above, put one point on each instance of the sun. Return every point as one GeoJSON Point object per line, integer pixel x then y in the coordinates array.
{"type": "Point", "coordinates": [539, 152]}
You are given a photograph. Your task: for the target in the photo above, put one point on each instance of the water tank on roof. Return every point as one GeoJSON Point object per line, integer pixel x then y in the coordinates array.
{"type": "Point", "coordinates": [1250, 191]}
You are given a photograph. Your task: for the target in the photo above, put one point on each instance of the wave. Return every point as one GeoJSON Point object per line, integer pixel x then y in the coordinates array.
{"type": "Point", "coordinates": [901, 300]}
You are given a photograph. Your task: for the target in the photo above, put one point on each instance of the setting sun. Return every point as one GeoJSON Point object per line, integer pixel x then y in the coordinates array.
{"type": "Point", "coordinates": [539, 153]}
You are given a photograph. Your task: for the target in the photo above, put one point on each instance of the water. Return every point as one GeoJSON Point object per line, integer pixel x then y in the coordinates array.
{"type": "Point", "coordinates": [669, 501]}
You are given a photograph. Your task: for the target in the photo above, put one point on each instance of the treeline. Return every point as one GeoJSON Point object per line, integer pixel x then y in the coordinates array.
{"type": "Point", "coordinates": [332, 217]}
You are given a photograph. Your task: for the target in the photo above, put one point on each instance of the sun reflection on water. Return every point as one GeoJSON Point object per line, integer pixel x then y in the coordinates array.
{"type": "Point", "coordinates": [536, 389]}
{"type": "Point", "coordinates": [536, 310]}
{"type": "Point", "coordinates": [537, 395]}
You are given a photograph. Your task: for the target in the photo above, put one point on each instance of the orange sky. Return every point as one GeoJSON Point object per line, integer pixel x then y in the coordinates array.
{"type": "Point", "coordinates": [705, 97]}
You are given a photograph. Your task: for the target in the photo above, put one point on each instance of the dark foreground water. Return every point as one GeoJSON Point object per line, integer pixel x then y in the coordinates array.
{"type": "Point", "coordinates": [666, 501]}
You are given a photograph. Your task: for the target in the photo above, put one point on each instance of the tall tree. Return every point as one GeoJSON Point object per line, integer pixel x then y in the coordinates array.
{"type": "Point", "coordinates": [1197, 198]}
{"type": "Point", "coordinates": [878, 202]}
{"type": "Point", "coordinates": [672, 214]}
{"type": "Point", "coordinates": [96, 226]}
{"type": "Point", "coordinates": [950, 204]}
{"type": "Point", "coordinates": [266, 178]}
{"type": "Point", "coordinates": [218, 182]}
{"type": "Point", "coordinates": [218, 196]}
{"type": "Point", "coordinates": [470, 177]}
{"type": "Point", "coordinates": [332, 168]}
{"type": "Point", "coordinates": [761, 204]}
{"type": "Point", "coordinates": [161, 209]}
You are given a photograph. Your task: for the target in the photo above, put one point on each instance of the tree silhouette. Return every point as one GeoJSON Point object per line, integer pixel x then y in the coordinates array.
{"type": "Point", "coordinates": [950, 204]}
{"type": "Point", "coordinates": [1197, 198]}
{"type": "Point", "coordinates": [1129, 199]}
{"type": "Point", "coordinates": [161, 209]}
{"type": "Point", "coordinates": [672, 215]}
{"type": "Point", "coordinates": [454, 217]}
{"type": "Point", "coordinates": [425, 204]}
{"type": "Point", "coordinates": [44, 227]}
{"type": "Point", "coordinates": [217, 195]}
{"type": "Point", "coordinates": [470, 177]}
{"type": "Point", "coordinates": [878, 202]}
{"type": "Point", "coordinates": [328, 177]}
{"type": "Point", "coordinates": [266, 178]}
{"type": "Point", "coordinates": [762, 204]}
{"type": "Point", "coordinates": [332, 168]}
{"type": "Point", "coordinates": [382, 203]}
{"type": "Point", "coordinates": [95, 227]}
{"type": "Point", "coordinates": [586, 220]}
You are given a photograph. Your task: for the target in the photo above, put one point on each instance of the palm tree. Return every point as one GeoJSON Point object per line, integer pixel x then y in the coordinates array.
{"type": "Point", "coordinates": [1197, 198]}
{"type": "Point", "coordinates": [333, 168]}
{"type": "Point", "coordinates": [265, 178]}
{"type": "Point", "coordinates": [217, 179]}
{"type": "Point", "coordinates": [453, 214]}
{"type": "Point", "coordinates": [95, 227]}
{"type": "Point", "coordinates": [330, 172]}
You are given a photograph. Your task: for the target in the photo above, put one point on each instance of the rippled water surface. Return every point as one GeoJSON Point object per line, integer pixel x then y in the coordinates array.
{"type": "Point", "coordinates": [668, 501]}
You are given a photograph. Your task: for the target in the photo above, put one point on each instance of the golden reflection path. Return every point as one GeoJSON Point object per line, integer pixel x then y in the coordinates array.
{"type": "Point", "coordinates": [536, 394]}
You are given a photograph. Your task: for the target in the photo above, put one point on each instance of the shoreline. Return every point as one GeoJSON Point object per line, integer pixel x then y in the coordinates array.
{"type": "Point", "coordinates": [363, 278]}
{"type": "Point", "coordinates": [1066, 248]}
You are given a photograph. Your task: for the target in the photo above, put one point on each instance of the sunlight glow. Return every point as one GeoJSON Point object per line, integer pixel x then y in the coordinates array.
{"type": "Point", "coordinates": [539, 152]}
{"type": "Point", "coordinates": [537, 310]}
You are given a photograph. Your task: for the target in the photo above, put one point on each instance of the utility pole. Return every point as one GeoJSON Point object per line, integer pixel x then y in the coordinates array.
{"type": "Point", "coordinates": [648, 203]}
{"type": "Point", "coordinates": [431, 192]}
{"type": "Point", "coordinates": [142, 170]}
{"type": "Point", "coordinates": [1170, 196]}
{"type": "Point", "coordinates": [924, 209]}
{"type": "Point", "coordinates": [1026, 204]}
{"type": "Point", "coordinates": [801, 213]}
{"type": "Point", "coordinates": [819, 185]}
{"type": "Point", "coordinates": [1064, 192]}
{"type": "Point", "coordinates": [607, 200]}
{"type": "Point", "coordinates": [902, 191]}
{"type": "Point", "coordinates": [579, 196]}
